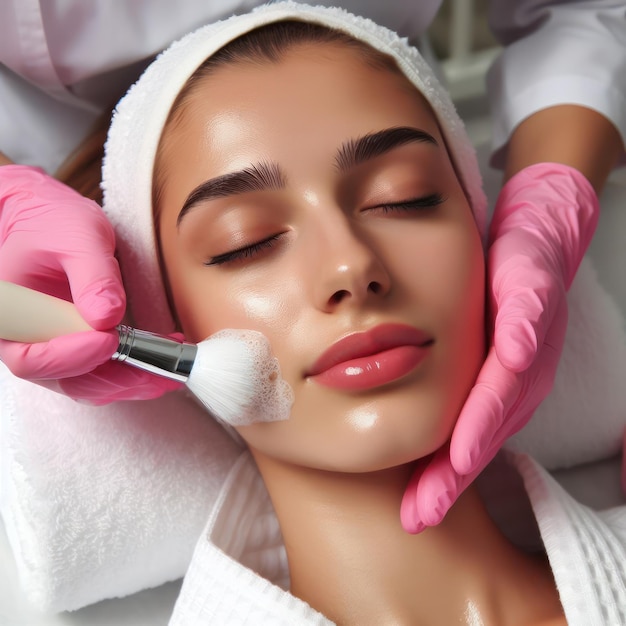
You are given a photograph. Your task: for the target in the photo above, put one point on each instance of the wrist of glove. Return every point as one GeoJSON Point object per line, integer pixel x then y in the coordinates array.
{"type": "Point", "coordinates": [553, 204]}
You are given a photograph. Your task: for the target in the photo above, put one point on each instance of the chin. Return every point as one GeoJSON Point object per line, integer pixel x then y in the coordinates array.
{"type": "Point", "coordinates": [354, 435]}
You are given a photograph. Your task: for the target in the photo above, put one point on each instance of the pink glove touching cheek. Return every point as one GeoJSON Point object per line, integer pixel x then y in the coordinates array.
{"type": "Point", "coordinates": [56, 241]}
{"type": "Point", "coordinates": [543, 222]}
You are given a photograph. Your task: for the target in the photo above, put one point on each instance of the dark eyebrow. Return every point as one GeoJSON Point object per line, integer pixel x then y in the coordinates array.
{"type": "Point", "coordinates": [356, 151]}
{"type": "Point", "coordinates": [257, 177]}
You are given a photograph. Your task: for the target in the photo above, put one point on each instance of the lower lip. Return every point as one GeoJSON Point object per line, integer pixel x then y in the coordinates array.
{"type": "Point", "coordinates": [373, 370]}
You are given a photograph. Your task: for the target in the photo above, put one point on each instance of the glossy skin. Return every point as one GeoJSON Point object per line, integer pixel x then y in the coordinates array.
{"type": "Point", "coordinates": [341, 250]}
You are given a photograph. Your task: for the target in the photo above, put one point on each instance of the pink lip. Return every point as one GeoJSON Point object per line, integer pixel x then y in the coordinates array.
{"type": "Point", "coordinates": [373, 358]}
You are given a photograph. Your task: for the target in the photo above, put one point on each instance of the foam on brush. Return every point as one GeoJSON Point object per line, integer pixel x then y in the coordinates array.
{"type": "Point", "coordinates": [237, 378]}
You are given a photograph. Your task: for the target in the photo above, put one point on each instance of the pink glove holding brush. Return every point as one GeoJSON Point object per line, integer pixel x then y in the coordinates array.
{"type": "Point", "coordinates": [543, 223]}
{"type": "Point", "coordinates": [54, 240]}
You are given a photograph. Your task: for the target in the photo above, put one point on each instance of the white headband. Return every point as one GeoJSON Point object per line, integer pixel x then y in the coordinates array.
{"type": "Point", "coordinates": [140, 116]}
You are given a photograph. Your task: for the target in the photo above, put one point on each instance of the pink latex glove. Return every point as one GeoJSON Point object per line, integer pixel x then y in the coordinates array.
{"type": "Point", "coordinates": [56, 241]}
{"type": "Point", "coordinates": [543, 223]}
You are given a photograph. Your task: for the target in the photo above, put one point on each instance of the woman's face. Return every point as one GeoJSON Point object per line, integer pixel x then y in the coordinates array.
{"type": "Point", "coordinates": [328, 216]}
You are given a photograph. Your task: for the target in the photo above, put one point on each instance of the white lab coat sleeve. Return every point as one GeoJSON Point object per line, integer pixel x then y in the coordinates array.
{"type": "Point", "coordinates": [63, 62]}
{"type": "Point", "coordinates": [556, 53]}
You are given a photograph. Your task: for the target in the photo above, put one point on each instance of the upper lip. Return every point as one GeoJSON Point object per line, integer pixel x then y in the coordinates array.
{"type": "Point", "coordinates": [366, 343]}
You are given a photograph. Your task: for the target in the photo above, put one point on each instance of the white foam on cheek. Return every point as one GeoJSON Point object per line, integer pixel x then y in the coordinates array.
{"type": "Point", "coordinates": [274, 396]}
{"type": "Point", "coordinates": [252, 388]}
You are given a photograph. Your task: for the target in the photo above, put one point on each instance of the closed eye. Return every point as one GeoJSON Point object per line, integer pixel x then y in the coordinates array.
{"type": "Point", "coordinates": [246, 252]}
{"type": "Point", "coordinates": [414, 204]}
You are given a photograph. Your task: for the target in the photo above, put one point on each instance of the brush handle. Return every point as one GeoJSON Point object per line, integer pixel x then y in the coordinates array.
{"type": "Point", "coordinates": [30, 316]}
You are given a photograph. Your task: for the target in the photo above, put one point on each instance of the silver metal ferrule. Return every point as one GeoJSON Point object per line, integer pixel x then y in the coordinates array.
{"type": "Point", "coordinates": [154, 353]}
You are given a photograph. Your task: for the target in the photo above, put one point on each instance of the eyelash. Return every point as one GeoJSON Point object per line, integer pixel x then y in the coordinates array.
{"type": "Point", "coordinates": [426, 202]}
{"type": "Point", "coordinates": [253, 249]}
{"type": "Point", "coordinates": [243, 253]}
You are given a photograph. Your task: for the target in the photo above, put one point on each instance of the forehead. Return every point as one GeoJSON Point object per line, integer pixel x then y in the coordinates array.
{"type": "Point", "coordinates": [311, 100]}
{"type": "Point", "coordinates": [297, 86]}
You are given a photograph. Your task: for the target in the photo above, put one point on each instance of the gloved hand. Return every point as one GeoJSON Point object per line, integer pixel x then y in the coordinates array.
{"type": "Point", "coordinates": [56, 241]}
{"type": "Point", "coordinates": [543, 222]}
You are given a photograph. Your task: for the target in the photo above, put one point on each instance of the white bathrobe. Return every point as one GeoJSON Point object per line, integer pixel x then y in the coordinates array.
{"type": "Point", "coordinates": [228, 581]}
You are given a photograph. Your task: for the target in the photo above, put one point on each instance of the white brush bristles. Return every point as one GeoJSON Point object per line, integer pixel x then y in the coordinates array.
{"type": "Point", "coordinates": [237, 378]}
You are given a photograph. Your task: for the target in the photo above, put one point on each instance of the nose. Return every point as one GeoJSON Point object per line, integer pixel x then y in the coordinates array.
{"type": "Point", "coordinates": [349, 269]}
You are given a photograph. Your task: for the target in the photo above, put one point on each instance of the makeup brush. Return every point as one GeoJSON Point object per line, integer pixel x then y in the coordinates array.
{"type": "Point", "coordinates": [233, 372]}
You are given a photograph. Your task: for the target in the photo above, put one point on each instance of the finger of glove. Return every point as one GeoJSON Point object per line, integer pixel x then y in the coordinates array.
{"type": "Point", "coordinates": [478, 436]}
{"type": "Point", "coordinates": [97, 289]}
{"type": "Point", "coordinates": [437, 489]}
{"type": "Point", "coordinates": [524, 295]}
{"type": "Point", "coordinates": [408, 507]}
{"type": "Point", "coordinates": [522, 323]}
{"type": "Point", "coordinates": [495, 391]}
{"type": "Point", "coordinates": [95, 281]}
{"type": "Point", "coordinates": [54, 236]}
{"type": "Point", "coordinates": [113, 382]}
{"type": "Point", "coordinates": [536, 384]}
{"type": "Point", "coordinates": [62, 357]}
{"type": "Point", "coordinates": [23, 265]}
{"type": "Point", "coordinates": [509, 428]}
{"type": "Point", "coordinates": [93, 271]}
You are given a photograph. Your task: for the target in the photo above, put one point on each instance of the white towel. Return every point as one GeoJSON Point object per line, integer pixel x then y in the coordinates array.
{"type": "Point", "coordinates": [101, 502]}
{"type": "Point", "coordinates": [583, 418]}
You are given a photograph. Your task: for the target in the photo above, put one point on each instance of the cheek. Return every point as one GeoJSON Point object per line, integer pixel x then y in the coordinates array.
{"type": "Point", "coordinates": [207, 302]}
{"type": "Point", "coordinates": [459, 286]}
{"type": "Point", "coordinates": [209, 299]}
{"type": "Point", "coordinates": [447, 280]}
{"type": "Point", "coordinates": [458, 283]}
{"type": "Point", "coordinates": [442, 268]}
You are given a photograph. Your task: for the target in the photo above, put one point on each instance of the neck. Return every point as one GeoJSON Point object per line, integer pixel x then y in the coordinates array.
{"type": "Point", "coordinates": [351, 560]}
